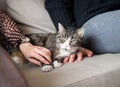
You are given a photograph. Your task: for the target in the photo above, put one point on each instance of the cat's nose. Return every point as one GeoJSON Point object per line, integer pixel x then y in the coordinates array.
{"type": "Point", "coordinates": [67, 48]}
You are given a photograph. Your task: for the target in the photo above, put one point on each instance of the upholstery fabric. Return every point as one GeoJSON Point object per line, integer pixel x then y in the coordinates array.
{"type": "Point", "coordinates": [98, 71]}
{"type": "Point", "coordinates": [10, 75]}
{"type": "Point", "coordinates": [32, 17]}
{"type": "Point", "coordinates": [2, 4]}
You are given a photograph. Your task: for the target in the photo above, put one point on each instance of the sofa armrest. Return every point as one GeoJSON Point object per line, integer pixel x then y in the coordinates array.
{"type": "Point", "coordinates": [10, 76]}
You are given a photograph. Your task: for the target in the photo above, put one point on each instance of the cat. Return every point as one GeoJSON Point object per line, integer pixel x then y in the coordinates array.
{"type": "Point", "coordinates": [61, 44]}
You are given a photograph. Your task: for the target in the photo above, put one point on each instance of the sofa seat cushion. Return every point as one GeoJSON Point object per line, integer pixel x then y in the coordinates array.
{"type": "Point", "coordinates": [97, 71]}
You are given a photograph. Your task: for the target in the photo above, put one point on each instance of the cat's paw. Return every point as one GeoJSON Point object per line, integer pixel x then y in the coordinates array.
{"type": "Point", "coordinates": [57, 64]}
{"type": "Point", "coordinates": [47, 68]}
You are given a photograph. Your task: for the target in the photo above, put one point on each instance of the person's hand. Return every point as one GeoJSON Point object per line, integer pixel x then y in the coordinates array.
{"type": "Point", "coordinates": [83, 52]}
{"type": "Point", "coordinates": [35, 54]}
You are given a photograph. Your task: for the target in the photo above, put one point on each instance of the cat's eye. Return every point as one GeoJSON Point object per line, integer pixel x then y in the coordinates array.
{"type": "Point", "coordinates": [61, 40]}
{"type": "Point", "coordinates": [73, 41]}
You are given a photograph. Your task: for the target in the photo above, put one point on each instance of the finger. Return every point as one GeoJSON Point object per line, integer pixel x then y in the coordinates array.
{"type": "Point", "coordinates": [44, 49]}
{"type": "Point", "coordinates": [72, 58]}
{"type": "Point", "coordinates": [65, 59]}
{"type": "Point", "coordinates": [36, 62]}
{"type": "Point", "coordinates": [40, 64]}
{"type": "Point", "coordinates": [79, 56]}
{"type": "Point", "coordinates": [45, 53]}
{"type": "Point", "coordinates": [40, 58]}
{"type": "Point", "coordinates": [86, 52]}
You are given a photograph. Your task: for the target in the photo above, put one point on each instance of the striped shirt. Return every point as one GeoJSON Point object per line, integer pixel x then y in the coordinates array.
{"type": "Point", "coordinates": [9, 31]}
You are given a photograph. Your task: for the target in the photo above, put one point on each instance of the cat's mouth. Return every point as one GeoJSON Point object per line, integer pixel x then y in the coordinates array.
{"type": "Point", "coordinates": [66, 49]}
{"type": "Point", "coordinates": [71, 48]}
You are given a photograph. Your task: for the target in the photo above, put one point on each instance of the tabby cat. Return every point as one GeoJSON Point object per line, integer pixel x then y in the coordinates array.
{"type": "Point", "coordinates": [61, 44]}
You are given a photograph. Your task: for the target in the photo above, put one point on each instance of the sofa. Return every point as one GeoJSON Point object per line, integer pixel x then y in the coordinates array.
{"type": "Point", "coordinates": [97, 71]}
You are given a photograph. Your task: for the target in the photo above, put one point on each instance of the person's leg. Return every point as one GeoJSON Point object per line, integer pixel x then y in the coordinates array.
{"type": "Point", "coordinates": [102, 33]}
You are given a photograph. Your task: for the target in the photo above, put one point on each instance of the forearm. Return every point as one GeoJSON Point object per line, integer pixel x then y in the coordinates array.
{"type": "Point", "coordinates": [9, 31]}
{"type": "Point", "coordinates": [61, 11]}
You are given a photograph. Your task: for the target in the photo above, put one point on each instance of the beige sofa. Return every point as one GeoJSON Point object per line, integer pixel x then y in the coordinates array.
{"type": "Point", "coordinates": [97, 71]}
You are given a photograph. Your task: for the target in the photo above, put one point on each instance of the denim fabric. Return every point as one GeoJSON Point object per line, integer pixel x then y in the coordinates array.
{"type": "Point", "coordinates": [102, 33]}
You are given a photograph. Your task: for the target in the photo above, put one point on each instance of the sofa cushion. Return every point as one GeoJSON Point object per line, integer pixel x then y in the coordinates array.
{"type": "Point", "coordinates": [9, 72]}
{"type": "Point", "coordinates": [98, 71]}
{"type": "Point", "coordinates": [2, 4]}
{"type": "Point", "coordinates": [31, 14]}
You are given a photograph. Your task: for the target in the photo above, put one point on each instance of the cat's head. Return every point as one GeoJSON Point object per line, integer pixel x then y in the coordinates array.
{"type": "Point", "coordinates": [67, 40]}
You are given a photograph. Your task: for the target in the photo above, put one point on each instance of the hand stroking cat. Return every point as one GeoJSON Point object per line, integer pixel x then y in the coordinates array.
{"type": "Point", "coordinates": [62, 44]}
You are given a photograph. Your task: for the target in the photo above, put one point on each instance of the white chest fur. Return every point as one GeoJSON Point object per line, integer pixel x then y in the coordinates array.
{"type": "Point", "coordinates": [63, 53]}
{"type": "Point", "coordinates": [65, 48]}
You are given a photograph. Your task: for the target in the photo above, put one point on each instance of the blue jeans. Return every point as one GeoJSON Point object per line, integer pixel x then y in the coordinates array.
{"type": "Point", "coordinates": [102, 33]}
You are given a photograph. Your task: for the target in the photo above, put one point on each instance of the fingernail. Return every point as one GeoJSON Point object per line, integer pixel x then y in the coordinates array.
{"type": "Point", "coordinates": [71, 61]}
{"type": "Point", "coordinates": [90, 54]}
{"type": "Point", "coordinates": [79, 59]}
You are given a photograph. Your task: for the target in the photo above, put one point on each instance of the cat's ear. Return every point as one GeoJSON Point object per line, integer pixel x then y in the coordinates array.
{"type": "Point", "coordinates": [60, 28]}
{"type": "Point", "coordinates": [80, 31]}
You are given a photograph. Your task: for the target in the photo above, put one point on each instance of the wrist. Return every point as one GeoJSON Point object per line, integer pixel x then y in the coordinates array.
{"type": "Point", "coordinates": [23, 39]}
{"type": "Point", "coordinates": [24, 45]}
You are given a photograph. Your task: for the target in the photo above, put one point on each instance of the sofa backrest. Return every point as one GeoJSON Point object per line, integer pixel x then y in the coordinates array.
{"type": "Point", "coordinates": [31, 14]}
{"type": "Point", "coordinates": [2, 4]}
